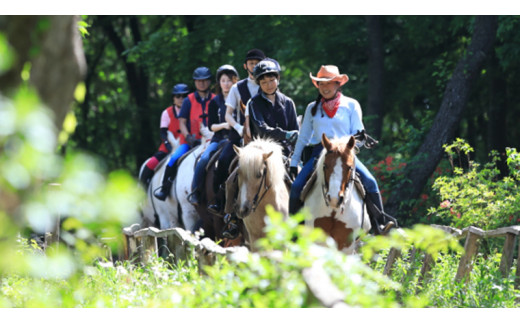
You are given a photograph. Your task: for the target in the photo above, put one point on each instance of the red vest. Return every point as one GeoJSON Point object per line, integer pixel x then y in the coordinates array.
{"type": "Point", "coordinates": [174, 128]}
{"type": "Point", "coordinates": [197, 114]}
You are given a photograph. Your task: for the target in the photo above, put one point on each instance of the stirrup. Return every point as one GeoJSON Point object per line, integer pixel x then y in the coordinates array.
{"type": "Point", "coordinates": [193, 198]}
{"type": "Point", "coordinates": [384, 229]}
{"type": "Point", "coordinates": [215, 209]}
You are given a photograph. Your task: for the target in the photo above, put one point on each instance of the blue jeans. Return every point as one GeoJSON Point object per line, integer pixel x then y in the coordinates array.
{"type": "Point", "coordinates": [178, 154]}
{"type": "Point", "coordinates": [200, 169]}
{"type": "Point", "coordinates": [368, 180]}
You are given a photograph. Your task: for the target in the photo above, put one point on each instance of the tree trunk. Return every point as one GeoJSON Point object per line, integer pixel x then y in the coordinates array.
{"type": "Point", "coordinates": [497, 138]}
{"type": "Point", "coordinates": [375, 77]}
{"type": "Point", "coordinates": [447, 120]}
{"type": "Point", "coordinates": [59, 65]}
{"type": "Point", "coordinates": [138, 83]}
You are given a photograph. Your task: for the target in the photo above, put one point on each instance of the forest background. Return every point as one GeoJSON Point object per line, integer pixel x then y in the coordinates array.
{"type": "Point", "coordinates": [400, 68]}
{"type": "Point", "coordinates": [422, 81]}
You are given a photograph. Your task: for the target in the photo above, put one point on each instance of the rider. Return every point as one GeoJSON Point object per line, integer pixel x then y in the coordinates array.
{"type": "Point", "coordinates": [236, 101]}
{"type": "Point", "coordinates": [194, 108]}
{"type": "Point", "coordinates": [336, 115]}
{"type": "Point", "coordinates": [227, 75]}
{"type": "Point", "coordinates": [169, 122]}
{"type": "Point", "coordinates": [271, 115]}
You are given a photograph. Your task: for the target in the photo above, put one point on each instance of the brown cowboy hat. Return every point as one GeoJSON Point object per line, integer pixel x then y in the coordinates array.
{"type": "Point", "coordinates": [329, 73]}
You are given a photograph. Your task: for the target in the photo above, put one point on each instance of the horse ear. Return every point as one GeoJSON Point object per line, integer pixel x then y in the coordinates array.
{"type": "Point", "coordinates": [237, 149]}
{"type": "Point", "coordinates": [351, 142]}
{"type": "Point", "coordinates": [326, 142]}
{"type": "Point", "coordinates": [267, 155]}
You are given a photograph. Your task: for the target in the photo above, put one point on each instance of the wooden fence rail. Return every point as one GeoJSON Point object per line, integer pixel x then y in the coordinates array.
{"type": "Point", "coordinates": [141, 244]}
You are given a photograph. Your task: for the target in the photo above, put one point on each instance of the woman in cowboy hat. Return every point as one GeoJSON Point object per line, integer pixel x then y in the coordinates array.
{"type": "Point", "coordinates": [336, 115]}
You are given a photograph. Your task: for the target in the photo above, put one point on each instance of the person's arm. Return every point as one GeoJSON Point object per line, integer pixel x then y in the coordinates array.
{"type": "Point", "coordinates": [183, 127]}
{"type": "Point", "coordinates": [304, 137]}
{"type": "Point", "coordinates": [231, 121]}
{"type": "Point", "coordinates": [214, 123]}
{"type": "Point", "coordinates": [184, 116]}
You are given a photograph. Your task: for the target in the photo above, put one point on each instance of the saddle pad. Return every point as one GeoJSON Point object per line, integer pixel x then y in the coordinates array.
{"type": "Point", "coordinates": [179, 161]}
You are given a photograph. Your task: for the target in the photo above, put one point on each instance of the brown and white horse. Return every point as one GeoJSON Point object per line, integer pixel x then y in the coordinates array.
{"type": "Point", "coordinates": [260, 182]}
{"type": "Point", "coordinates": [335, 204]}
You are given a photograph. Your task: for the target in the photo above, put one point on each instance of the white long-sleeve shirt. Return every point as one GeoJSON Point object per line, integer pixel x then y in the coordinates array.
{"type": "Point", "coordinates": [346, 122]}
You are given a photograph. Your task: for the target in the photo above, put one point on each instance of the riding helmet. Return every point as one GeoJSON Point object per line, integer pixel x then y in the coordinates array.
{"type": "Point", "coordinates": [180, 88]}
{"type": "Point", "coordinates": [226, 68]}
{"type": "Point", "coordinates": [266, 66]}
{"type": "Point", "coordinates": [201, 73]}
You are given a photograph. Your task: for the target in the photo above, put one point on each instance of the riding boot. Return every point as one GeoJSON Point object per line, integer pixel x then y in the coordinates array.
{"type": "Point", "coordinates": [231, 229]}
{"type": "Point", "coordinates": [146, 176]}
{"type": "Point", "coordinates": [381, 222]}
{"type": "Point", "coordinates": [168, 177]}
{"type": "Point", "coordinates": [217, 207]}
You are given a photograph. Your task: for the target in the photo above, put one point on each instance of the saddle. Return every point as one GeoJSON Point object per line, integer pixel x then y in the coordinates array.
{"type": "Point", "coordinates": [312, 180]}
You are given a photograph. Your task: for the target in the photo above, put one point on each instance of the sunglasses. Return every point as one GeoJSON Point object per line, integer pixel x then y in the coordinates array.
{"type": "Point", "coordinates": [178, 96]}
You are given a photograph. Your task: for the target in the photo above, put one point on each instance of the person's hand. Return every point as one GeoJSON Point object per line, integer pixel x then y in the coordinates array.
{"type": "Point", "coordinates": [291, 136]}
{"type": "Point", "coordinates": [370, 142]}
{"type": "Point", "coordinates": [205, 132]}
{"type": "Point", "coordinates": [226, 125]}
{"type": "Point", "coordinates": [293, 172]}
{"type": "Point", "coordinates": [239, 128]}
{"type": "Point", "coordinates": [168, 146]}
{"type": "Point", "coordinates": [190, 140]}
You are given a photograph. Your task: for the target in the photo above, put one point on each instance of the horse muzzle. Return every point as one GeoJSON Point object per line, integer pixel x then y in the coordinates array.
{"type": "Point", "coordinates": [244, 210]}
{"type": "Point", "coordinates": [335, 202]}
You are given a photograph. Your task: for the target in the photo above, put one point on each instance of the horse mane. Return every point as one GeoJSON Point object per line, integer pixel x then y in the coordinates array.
{"type": "Point", "coordinates": [251, 158]}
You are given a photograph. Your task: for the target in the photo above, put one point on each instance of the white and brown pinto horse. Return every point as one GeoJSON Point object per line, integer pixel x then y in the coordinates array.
{"type": "Point", "coordinates": [261, 176]}
{"type": "Point", "coordinates": [335, 204]}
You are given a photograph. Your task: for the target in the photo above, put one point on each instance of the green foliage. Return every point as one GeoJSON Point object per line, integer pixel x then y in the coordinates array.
{"type": "Point", "coordinates": [38, 187]}
{"type": "Point", "coordinates": [478, 196]}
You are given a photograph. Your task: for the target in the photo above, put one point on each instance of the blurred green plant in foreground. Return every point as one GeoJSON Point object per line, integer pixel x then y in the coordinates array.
{"type": "Point", "coordinates": [38, 187]}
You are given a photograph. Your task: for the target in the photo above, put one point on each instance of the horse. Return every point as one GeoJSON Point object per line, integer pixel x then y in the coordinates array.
{"type": "Point", "coordinates": [261, 176]}
{"type": "Point", "coordinates": [211, 224]}
{"type": "Point", "coordinates": [152, 207]}
{"type": "Point", "coordinates": [182, 186]}
{"type": "Point", "coordinates": [335, 204]}
{"type": "Point", "coordinates": [175, 211]}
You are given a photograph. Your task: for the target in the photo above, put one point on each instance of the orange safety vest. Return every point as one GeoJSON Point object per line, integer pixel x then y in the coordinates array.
{"type": "Point", "coordinates": [198, 114]}
{"type": "Point", "coordinates": [174, 128]}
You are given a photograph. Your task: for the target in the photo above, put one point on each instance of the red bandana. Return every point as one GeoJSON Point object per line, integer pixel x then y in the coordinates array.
{"type": "Point", "coordinates": [331, 106]}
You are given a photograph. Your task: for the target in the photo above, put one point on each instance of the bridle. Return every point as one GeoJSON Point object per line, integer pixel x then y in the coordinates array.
{"type": "Point", "coordinates": [324, 186]}
{"type": "Point", "coordinates": [263, 183]}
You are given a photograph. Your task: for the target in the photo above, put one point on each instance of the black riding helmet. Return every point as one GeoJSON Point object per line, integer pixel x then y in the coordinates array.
{"type": "Point", "coordinates": [266, 66]}
{"type": "Point", "coordinates": [201, 73]}
{"type": "Point", "coordinates": [226, 68]}
{"type": "Point", "coordinates": [180, 88]}
{"type": "Point", "coordinates": [255, 54]}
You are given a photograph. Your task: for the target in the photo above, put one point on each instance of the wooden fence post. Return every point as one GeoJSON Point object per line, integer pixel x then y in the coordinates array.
{"type": "Point", "coordinates": [470, 249]}
{"type": "Point", "coordinates": [393, 254]}
{"type": "Point", "coordinates": [507, 254]}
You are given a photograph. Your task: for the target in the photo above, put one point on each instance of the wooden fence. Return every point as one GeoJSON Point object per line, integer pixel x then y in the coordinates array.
{"type": "Point", "coordinates": [141, 244]}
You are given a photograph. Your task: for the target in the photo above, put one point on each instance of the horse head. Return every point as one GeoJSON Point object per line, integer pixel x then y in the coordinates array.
{"type": "Point", "coordinates": [338, 169]}
{"type": "Point", "coordinates": [253, 178]}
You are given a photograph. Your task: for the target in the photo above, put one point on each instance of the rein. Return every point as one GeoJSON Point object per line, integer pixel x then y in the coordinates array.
{"type": "Point", "coordinates": [263, 183]}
